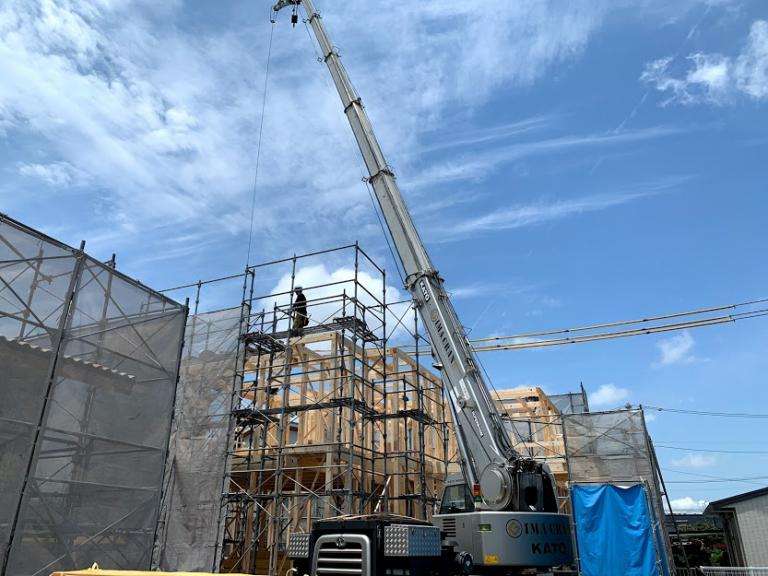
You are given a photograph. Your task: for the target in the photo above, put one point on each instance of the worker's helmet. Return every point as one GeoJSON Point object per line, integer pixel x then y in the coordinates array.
{"type": "Point", "coordinates": [298, 289]}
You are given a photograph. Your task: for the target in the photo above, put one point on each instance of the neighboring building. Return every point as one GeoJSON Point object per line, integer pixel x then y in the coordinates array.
{"type": "Point", "coordinates": [745, 520]}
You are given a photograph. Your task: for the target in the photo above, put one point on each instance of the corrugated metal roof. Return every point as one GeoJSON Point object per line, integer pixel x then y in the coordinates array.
{"type": "Point", "coordinates": [717, 504]}
{"type": "Point", "coordinates": [70, 359]}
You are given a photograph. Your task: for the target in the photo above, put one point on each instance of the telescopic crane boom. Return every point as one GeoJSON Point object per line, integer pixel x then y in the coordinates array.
{"type": "Point", "coordinates": [490, 464]}
{"type": "Point", "coordinates": [509, 520]}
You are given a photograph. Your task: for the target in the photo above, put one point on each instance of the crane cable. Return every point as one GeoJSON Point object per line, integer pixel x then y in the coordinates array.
{"type": "Point", "coordinates": [258, 145]}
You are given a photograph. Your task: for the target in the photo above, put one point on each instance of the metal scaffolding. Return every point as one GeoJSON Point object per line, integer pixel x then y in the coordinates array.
{"type": "Point", "coordinates": [334, 419]}
{"type": "Point", "coordinates": [89, 362]}
{"type": "Point", "coordinates": [614, 448]}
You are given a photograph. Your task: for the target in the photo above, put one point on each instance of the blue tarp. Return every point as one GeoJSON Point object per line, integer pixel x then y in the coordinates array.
{"type": "Point", "coordinates": [613, 531]}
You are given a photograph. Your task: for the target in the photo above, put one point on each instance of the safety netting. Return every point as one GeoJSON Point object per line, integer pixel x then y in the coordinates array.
{"type": "Point", "coordinates": [191, 524]}
{"type": "Point", "coordinates": [88, 368]}
{"type": "Point", "coordinates": [612, 449]}
{"type": "Point", "coordinates": [570, 402]}
{"type": "Point", "coordinates": [607, 447]}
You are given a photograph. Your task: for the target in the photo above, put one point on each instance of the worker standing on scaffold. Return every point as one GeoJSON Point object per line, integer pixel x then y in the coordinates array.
{"type": "Point", "coordinates": [300, 317]}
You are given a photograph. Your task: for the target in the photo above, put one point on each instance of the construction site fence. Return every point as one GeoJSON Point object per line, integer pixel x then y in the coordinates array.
{"type": "Point", "coordinates": [614, 448]}
{"type": "Point", "coordinates": [88, 368]}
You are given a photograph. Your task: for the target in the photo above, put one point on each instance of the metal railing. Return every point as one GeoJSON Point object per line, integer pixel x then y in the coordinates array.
{"type": "Point", "coordinates": [733, 571]}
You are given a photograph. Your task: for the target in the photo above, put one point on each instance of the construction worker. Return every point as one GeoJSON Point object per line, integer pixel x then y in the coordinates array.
{"type": "Point", "coordinates": [299, 310]}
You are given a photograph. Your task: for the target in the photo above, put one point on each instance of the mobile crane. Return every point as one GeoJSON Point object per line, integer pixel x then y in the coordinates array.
{"type": "Point", "coordinates": [503, 517]}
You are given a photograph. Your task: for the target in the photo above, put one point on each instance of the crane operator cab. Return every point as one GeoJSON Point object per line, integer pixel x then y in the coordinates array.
{"type": "Point", "coordinates": [490, 542]}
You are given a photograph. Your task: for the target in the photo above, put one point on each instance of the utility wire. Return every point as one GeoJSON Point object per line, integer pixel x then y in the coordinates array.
{"type": "Point", "coordinates": [531, 343]}
{"type": "Point", "coordinates": [709, 478]}
{"type": "Point", "coordinates": [752, 415]}
{"type": "Point", "coordinates": [709, 442]}
{"type": "Point", "coordinates": [709, 451]}
{"type": "Point", "coordinates": [531, 339]}
{"type": "Point", "coordinates": [748, 480]}
{"type": "Point", "coordinates": [625, 322]}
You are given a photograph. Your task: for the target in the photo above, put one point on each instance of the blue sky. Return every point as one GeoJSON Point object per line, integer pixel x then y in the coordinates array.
{"type": "Point", "coordinates": [567, 164]}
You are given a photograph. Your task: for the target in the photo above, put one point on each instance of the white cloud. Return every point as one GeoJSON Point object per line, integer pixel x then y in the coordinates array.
{"type": "Point", "coordinates": [477, 165]}
{"type": "Point", "coordinates": [324, 288]}
{"type": "Point", "coordinates": [751, 67]}
{"type": "Point", "coordinates": [55, 174]}
{"type": "Point", "coordinates": [715, 78]}
{"type": "Point", "coordinates": [163, 120]}
{"type": "Point", "coordinates": [532, 214]}
{"type": "Point", "coordinates": [475, 290]}
{"type": "Point", "coordinates": [522, 340]}
{"type": "Point", "coordinates": [708, 80]}
{"type": "Point", "coordinates": [688, 504]}
{"type": "Point", "coordinates": [485, 289]}
{"type": "Point", "coordinates": [518, 216]}
{"type": "Point", "coordinates": [608, 395]}
{"type": "Point", "coordinates": [711, 71]}
{"type": "Point", "coordinates": [676, 349]}
{"type": "Point", "coordinates": [490, 135]}
{"type": "Point", "coordinates": [696, 460]}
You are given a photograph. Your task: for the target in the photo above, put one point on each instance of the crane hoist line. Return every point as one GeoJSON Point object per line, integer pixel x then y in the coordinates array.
{"type": "Point", "coordinates": [510, 500]}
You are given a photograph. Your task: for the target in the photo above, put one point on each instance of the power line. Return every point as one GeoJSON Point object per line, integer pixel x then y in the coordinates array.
{"type": "Point", "coordinates": [709, 478]}
{"type": "Point", "coordinates": [709, 451]}
{"type": "Point", "coordinates": [746, 480]}
{"type": "Point", "coordinates": [642, 327]}
{"type": "Point", "coordinates": [384, 232]}
{"type": "Point", "coordinates": [708, 413]}
{"type": "Point", "coordinates": [527, 342]}
{"type": "Point", "coordinates": [623, 322]}
{"type": "Point", "coordinates": [710, 442]}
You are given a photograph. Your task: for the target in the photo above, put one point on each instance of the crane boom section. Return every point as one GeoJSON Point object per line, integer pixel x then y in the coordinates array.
{"type": "Point", "coordinates": [484, 445]}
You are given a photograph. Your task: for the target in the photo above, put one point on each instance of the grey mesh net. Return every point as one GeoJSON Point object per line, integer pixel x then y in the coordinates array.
{"type": "Point", "coordinates": [190, 526]}
{"type": "Point", "coordinates": [104, 350]}
{"type": "Point", "coordinates": [571, 402]}
{"type": "Point", "coordinates": [613, 448]}
{"type": "Point", "coordinates": [607, 447]}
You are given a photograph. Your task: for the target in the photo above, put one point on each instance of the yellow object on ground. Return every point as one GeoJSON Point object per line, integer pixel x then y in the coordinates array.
{"type": "Point", "coordinates": [96, 571]}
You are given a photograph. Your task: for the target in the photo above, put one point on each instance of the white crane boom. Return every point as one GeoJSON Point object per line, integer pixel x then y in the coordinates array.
{"type": "Point", "coordinates": [491, 466]}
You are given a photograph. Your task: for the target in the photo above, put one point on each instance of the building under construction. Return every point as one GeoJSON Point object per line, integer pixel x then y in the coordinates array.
{"type": "Point", "coordinates": [124, 448]}
{"type": "Point", "coordinates": [347, 417]}
{"type": "Point", "coordinates": [332, 420]}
